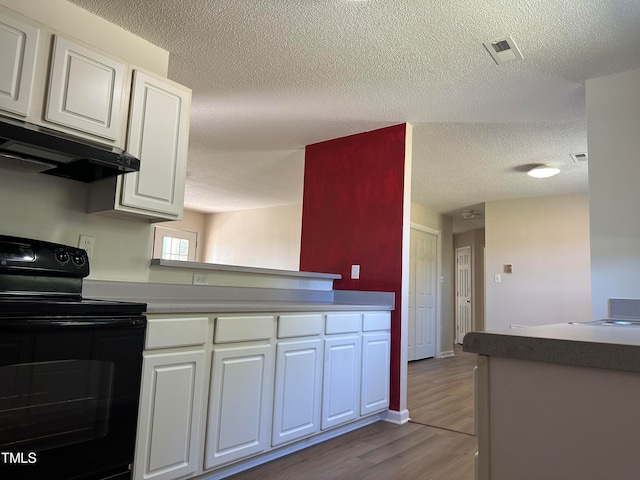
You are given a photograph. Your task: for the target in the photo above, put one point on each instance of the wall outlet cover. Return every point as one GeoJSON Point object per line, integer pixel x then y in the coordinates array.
{"type": "Point", "coordinates": [200, 279]}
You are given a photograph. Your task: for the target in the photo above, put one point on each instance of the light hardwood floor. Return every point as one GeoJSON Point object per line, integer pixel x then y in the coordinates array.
{"type": "Point", "coordinates": [437, 444]}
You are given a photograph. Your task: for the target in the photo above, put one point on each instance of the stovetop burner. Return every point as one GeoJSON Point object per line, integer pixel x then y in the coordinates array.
{"type": "Point", "coordinates": [39, 278]}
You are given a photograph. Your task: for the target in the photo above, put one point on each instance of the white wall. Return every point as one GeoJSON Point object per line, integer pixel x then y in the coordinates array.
{"type": "Point", "coordinates": [261, 237]}
{"type": "Point", "coordinates": [428, 218]}
{"type": "Point", "coordinates": [546, 240]}
{"type": "Point", "coordinates": [53, 209]}
{"type": "Point", "coordinates": [613, 128]}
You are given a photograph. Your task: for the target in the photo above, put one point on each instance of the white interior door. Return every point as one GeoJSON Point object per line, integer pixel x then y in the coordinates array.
{"type": "Point", "coordinates": [423, 293]}
{"type": "Point", "coordinates": [411, 332]}
{"type": "Point", "coordinates": [464, 298]}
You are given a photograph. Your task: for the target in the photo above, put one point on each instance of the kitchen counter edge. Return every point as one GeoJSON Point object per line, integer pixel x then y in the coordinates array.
{"type": "Point", "coordinates": [607, 347]}
{"type": "Point", "coordinates": [157, 307]}
{"type": "Point", "coordinates": [172, 298]}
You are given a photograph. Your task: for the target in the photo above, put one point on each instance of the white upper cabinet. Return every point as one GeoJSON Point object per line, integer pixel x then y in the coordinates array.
{"type": "Point", "coordinates": [53, 80]}
{"type": "Point", "coordinates": [158, 136]}
{"type": "Point", "coordinates": [85, 90]}
{"type": "Point", "coordinates": [18, 47]}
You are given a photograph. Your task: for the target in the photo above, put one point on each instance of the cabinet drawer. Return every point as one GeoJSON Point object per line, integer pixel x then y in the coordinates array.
{"type": "Point", "coordinates": [299, 325]}
{"type": "Point", "coordinates": [243, 329]}
{"type": "Point", "coordinates": [376, 321]}
{"type": "Point", "coordinates": [176, 332]}
{"type": "Point", "coordinates": [343, 323]}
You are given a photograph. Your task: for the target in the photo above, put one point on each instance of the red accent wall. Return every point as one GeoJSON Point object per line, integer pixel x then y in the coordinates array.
{"type": "Point", "coordinates": [352, 215]}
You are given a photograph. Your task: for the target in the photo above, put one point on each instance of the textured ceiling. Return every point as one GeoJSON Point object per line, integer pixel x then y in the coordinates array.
{"type": "Point", "coordinates": [270, 76]}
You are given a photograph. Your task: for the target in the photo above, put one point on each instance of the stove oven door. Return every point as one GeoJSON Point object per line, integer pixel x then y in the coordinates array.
{"type": "Point", "coordinates": [69, 392]}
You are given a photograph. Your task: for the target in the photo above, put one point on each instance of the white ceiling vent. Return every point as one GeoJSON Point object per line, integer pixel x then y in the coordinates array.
{"type": "Point", "coordinates": [503, 50]}
{"type": "Point", "coordinates": [579, 157]}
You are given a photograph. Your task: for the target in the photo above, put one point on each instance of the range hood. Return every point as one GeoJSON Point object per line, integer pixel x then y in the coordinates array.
{"type": "Point", "coordinates": [31, 148]}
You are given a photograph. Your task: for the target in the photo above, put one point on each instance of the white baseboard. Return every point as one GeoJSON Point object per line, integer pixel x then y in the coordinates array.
{"type": "Point", "coordinates": [393, 416]}
{"type": "Point", "coordinates": [448, 353]}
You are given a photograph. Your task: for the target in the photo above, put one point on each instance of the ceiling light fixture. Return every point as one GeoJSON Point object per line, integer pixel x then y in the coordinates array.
{"type": "Point", "coordinates": [543, 171]}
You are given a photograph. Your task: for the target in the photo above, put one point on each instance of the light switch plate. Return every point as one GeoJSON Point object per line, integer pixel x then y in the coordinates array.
{"type": "Point", "coordinates": [355, 272]}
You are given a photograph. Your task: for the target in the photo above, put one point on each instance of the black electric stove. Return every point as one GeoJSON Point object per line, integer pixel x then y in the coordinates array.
{"type": "Point", "coordinates": [70, 368]}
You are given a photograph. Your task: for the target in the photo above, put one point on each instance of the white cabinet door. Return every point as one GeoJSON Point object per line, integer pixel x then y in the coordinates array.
{"type": "Point", "coordinates": [85, 90]}
{"type": "Point", "coordinates": [240, 401]}
{"type": "Point", "coordinates": [170, 415]}
{"type": "Point", "coordinates": [18, 47]}
{"type": "Point", "coordinates": [341, 382]}
{"type": "Point", "coordinates": [376, 356]}
{"type": "Point", "coordinates": [298, 387]}
{"type": "Point", "coordinates": [158, 136]}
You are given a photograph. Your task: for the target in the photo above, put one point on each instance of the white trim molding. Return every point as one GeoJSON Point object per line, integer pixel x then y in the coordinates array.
{"type": "Point", "coordinates": [394, 416]}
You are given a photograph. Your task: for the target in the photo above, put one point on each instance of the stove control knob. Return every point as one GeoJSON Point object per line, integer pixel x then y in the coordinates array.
{"type": "Point", "coordinates": [78, 259]}
{"type": "Point", "coordinates": [62, 257]}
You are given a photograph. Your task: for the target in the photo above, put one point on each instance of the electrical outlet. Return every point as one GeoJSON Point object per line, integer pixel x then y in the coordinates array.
{"type": "Point", "coordinates": [200, 279]}
{"type": "Point", "coordinates": [86, 243]}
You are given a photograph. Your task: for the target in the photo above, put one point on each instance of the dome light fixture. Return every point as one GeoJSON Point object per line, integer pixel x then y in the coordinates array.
{"type": "Point", "coordinates": [543, 171]}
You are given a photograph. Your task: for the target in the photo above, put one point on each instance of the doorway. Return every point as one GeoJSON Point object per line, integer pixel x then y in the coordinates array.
{"type": "Point", "coordinates": [464, 297]}
{"type": "Point", "coordinates": [424, 293]}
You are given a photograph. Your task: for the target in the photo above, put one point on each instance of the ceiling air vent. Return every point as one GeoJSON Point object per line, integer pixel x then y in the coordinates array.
{"type": "Point", "coordinates": [503, 50]}
{"type": "Point", "coordinates": [579, 157]}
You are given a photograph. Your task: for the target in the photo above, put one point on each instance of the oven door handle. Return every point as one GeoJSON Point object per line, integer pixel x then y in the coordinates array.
{"type": "Point", "coordinates": [132, 322]}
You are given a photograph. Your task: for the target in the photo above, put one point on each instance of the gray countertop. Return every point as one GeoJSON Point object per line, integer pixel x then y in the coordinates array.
{"type": "Point", "coordinates": [174, 298]}
{"type": "Point", "coordinates": [586, 345]}
{"type": "Point", "coordinates": [241, 269]}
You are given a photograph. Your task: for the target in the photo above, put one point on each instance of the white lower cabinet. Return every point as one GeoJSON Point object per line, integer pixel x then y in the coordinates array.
{"type": "Point", "coordinates": [167, 445]}
{"type": "Point", "coordinates": [171, 396]}
{"type": "Point", "coordinates": [376, 359]}
{"type": "Point", "coordinates": [376, 355]}
{"type": "Point", "coordinates": [240, 403]}
{"type": "Point", "coordinates": [273, 381]}
{"type": "Point", "coordinates": [298, 388]}
{"type": "Point", "coordinates": [341, 383]}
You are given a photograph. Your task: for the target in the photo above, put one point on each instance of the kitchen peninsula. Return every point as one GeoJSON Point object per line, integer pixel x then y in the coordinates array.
{"type": "Point", "coordinates": [237, 376]}
{"type": "Point", "coordinates": [558, 401]}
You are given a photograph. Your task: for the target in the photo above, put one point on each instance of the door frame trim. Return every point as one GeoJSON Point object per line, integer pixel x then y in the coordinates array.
{"type": "Point", "coordinates": [439, 279]}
